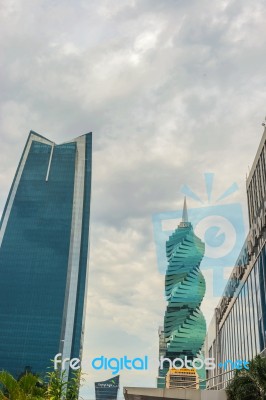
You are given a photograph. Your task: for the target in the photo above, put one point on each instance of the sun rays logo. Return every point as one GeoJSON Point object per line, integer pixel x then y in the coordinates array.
{"type": "Point", "coordinates": [220, 226]}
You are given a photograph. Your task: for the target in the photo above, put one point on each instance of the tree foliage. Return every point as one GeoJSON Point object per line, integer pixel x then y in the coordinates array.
{"type": "Point", "coordinates": [249, 384]}
{"type": "Point", "coordinates": [31, 387]}
{"type": "Point", "coordinates": [28, 387]}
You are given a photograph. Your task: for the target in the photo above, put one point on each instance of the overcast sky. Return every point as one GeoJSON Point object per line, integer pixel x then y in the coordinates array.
{"type": "Point", "coordinates": [171, 89]}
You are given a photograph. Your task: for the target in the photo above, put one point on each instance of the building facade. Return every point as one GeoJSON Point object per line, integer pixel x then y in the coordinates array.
{"type": "Point", "coordinates": [44, 237]}
{"type": "Point", "coordinates": [107, 390]}
{"type": "Point", "coordinates": [182, 378]}
{"type": "Point", "coordinates": [238, 328]}
{"type": "Point", "coordinates": [184, 324]}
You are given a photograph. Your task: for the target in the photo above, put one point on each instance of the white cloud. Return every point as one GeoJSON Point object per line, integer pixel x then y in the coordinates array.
{"type": "Point", "coordinates": [109, 9]}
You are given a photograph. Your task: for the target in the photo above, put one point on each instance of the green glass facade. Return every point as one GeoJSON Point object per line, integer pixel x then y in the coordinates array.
{"type": "Point", "coordinates": [184, 324]}
{"type": "Point", "coordinates": [44, 236]}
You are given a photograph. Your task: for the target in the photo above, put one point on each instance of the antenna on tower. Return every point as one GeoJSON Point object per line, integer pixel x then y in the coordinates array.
{"type": "Point", "coordinates": [184, 223]}
{"type": "Point", "coordinates": [185, 214]}
{"type": "Point", "coordinates": [264, 122]}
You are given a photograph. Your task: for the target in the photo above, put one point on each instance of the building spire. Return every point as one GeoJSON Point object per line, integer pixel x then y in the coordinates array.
{"type": "Point", "coordinates": [184, 223]}
{"type": "Point", "coordinates": [185, 214]}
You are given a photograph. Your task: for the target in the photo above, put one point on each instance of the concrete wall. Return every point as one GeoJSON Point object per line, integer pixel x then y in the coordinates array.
{"type": "Point", "coordinates": [182, 394]}
{"type": "Point", "coordinates": [173, 394]}
{"type": "Point", "coordinates": [213, 395]}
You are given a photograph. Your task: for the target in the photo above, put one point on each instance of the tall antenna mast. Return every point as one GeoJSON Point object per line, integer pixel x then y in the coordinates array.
{"type": "Point", "coordinates": [184, 223]}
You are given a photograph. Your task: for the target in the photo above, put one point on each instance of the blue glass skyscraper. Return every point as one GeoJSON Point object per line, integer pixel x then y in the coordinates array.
{"type": "Point", "coordinates": [44, 235]}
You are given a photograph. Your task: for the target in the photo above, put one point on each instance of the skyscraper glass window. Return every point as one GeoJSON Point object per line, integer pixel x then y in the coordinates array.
{"type": "Point", "coordinates": [240, 318]}
{"type": "Point", "coordinates": [184, 324]}
{"type": "Point", "coordinates": [44, 235]}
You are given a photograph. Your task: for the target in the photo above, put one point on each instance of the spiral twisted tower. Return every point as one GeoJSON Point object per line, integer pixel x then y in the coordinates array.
{"type": "Point", "coordinates": [184, 323]}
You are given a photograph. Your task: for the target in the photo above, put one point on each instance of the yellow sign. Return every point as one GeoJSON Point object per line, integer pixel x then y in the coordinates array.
{"type": "Point", "coordinates": [191, 371]}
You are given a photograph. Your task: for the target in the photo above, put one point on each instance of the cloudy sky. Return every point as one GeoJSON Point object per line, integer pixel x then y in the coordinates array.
{"type": "Point", "coordinates": [171, 89]}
